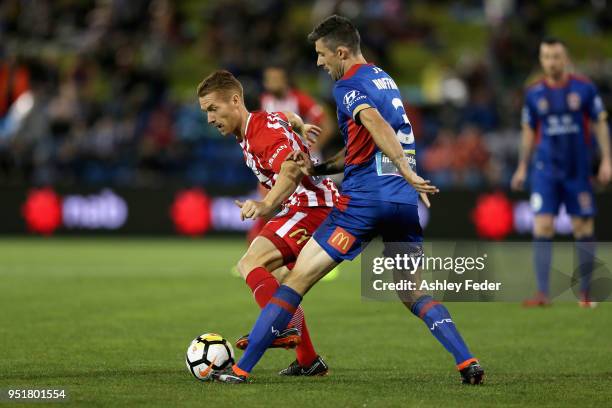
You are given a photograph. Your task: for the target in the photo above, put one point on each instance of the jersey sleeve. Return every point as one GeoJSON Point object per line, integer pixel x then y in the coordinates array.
{"type": "Point", "coordinates": [280, 141]}
{"type": "Point", "coordinates": [594, 104]}
{"type": "Point", "coordinates": [529, 115]}
{"type": "Point", "coordinates": [352, 99]}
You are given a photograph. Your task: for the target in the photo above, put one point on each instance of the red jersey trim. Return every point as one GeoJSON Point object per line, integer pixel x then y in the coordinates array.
{"type": "Point", "coordinates": [534, 83]}
{"type": "Point", "coordinates": [581, 78]}
{"type": "Point", "coordinates": [352, 70]}
{"type": "Point", "coordinates": [563, 83]}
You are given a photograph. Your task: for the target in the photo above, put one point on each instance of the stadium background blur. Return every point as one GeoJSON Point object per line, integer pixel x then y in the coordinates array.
{"type": "Point", "coordinates": [101, 94]}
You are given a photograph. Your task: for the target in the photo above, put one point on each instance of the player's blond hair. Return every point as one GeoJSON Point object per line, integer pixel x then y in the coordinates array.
{"type": "Point", "coordinates": [220, 81]}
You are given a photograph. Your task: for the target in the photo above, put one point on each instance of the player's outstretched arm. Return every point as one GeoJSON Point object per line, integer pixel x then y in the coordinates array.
{"type": "Point", "coordinates": [520, 175]}
{"type": "Point", "coordinates": [288, 179]}
{"type": "Point", "coordinates": [387, 142]}
{"type": "Point", "coordinates": [602, 132]}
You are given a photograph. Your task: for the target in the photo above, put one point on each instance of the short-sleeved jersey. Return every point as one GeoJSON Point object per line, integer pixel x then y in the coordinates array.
{"type": "Point", "coordinates": [268, 141]}
{"type": "Point", "coordinates": [560, 117]}
{"type": "Point", "coordinates": [368, 173]}
{"type": "Point", "coordinates": [295, 101]}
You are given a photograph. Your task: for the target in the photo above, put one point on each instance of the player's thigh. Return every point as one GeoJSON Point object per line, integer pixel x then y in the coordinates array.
{"type": "Point", "coordinates": [262, 252]}
{"type": "Point", "coordinates": [403, 235]}
{"type": "Point", "coordinates": [312, 264]}
{"type": "Point", "coordinates": [583, 227]}
{"type": "Point", "coordinates": [291, 230]}
{"type": "Point", "coordinates": [344, 232]}
{"type": "Point", "coordinates": [578, 198]}
{"type": "Point", "coordinates": [400, 223]}
{"type": "Point", "coordinates": [546, 195]}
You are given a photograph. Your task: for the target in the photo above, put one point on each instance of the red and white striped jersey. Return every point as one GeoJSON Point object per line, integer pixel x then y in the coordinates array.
{"type": "Point", "coordinates": [268, 141]}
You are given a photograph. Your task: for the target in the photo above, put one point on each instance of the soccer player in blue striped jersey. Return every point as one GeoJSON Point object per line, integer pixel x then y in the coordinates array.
{"type": "Point", "coordinates": [379, 196]}
{"type": "Point", "coordinates": [560, 110]}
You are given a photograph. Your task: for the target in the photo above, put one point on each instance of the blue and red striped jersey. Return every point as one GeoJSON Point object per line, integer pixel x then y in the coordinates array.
{"type": "Point", "coordinates": [560, 116]}
{"type": "Point", "coordinates": [368, 173]}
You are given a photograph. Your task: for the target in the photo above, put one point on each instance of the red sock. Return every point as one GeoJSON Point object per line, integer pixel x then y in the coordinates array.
{"type": "Point", "coordinates": [305, 352]}
{"type": "Point", "coordinates": [262, 284]}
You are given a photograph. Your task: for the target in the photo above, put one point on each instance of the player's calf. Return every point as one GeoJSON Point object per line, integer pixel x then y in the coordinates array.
{"type": "Point", "coordinates": [440, 324]}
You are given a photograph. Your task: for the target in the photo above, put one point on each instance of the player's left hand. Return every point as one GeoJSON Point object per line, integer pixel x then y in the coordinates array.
{"type": "Point", "coordinates": [605, 172]}
{"type": "Point", "coordinates": [311, 133]}
{"type": "Point", "coordinates": [253, 209]}
{"type": "Point", "coordinates": [421, 185]}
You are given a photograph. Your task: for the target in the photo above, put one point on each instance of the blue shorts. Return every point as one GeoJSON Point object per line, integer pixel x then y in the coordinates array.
{"type": "Point", "coordinates": [548, 193]}
{"type": "Point", "coordinates": [345, 230]}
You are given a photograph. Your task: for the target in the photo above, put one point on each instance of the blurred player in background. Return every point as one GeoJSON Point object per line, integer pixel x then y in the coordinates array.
{"type": "Point", "coordinates": [559, 111]}
{"type": "Point", "coordinates": [267, 138]}
{"type": "Point", "coordinates": [280, 96]}
{"type": "Point", "coordinates": [379, 196]}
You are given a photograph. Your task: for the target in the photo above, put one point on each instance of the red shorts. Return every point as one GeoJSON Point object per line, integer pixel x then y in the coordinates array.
{"type": "Point", "coordinates": [291, 229]}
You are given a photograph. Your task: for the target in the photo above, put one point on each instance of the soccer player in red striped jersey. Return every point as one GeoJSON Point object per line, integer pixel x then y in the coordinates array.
{"type": "Point", "coordinates": [280, 96]}
{"type": "Point", "coordinates": [267, 139]}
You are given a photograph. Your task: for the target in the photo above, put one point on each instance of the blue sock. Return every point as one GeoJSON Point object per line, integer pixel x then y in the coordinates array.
{"type": "Point", "coordinates": [542, 255]}
{"type": "Point", "coordinates": [439, 322]}
{"type": "Point", "coordinates": [274, 317]}
{"type": "Point", "coordinates": [586, 254]}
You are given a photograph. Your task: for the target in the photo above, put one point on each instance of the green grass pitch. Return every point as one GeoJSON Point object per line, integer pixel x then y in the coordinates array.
{"type": "Point", "coordinates": [109, 320]}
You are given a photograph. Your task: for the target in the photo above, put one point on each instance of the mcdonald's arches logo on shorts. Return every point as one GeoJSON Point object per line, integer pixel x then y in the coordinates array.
{"type": "Point", "coordinates": [341, 240]}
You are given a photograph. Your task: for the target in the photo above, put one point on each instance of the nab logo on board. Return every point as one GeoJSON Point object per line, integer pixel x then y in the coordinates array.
{"type": "Point", "coordinates": [44, 211]}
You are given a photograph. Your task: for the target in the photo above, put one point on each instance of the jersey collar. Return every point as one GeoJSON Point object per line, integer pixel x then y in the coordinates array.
{"type": "Point", "coordinates": [563, 83]}
{"type": "Point", "coordinates": [246, 127]}
{"type": "Point", "coordinates": [352, 70]}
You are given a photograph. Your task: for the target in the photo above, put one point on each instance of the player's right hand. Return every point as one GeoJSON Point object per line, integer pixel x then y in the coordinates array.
{"type": "Point", "coordinates": [303, 161]}
{"type": "Point", "coordinates": [253, 209]}
{"type": "Point", "coordinates": [518, 179]}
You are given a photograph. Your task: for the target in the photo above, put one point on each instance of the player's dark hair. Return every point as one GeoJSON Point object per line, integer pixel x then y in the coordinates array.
{"type": "Point", "coordinates": [553, 41]}
{"type": "Point", "coordinates": [336, 31]}
{"type": "Point", "coordinates": [220, 81]}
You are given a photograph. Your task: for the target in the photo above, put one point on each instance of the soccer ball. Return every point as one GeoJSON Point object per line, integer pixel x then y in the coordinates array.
{"type": "Point", "coordinates": [208, 353]}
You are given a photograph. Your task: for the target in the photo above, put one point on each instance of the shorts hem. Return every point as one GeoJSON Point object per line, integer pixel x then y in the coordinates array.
{"type": "Point", "coordinates": [280, 244]}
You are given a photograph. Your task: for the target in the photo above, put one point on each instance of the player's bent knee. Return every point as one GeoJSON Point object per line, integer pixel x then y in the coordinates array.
{"type": "Point", "coordinates": [247, 263]}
